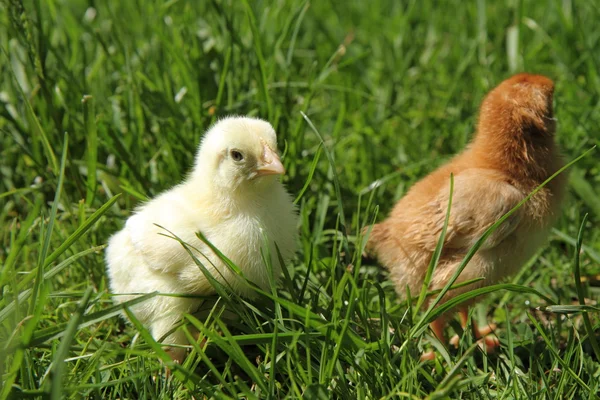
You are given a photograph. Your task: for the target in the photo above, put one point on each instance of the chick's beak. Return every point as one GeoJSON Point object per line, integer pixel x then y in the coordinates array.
{"type": "Point", "coordinates": [269, 163]}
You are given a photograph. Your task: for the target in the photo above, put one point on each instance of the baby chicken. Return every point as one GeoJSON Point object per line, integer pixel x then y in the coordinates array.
{"type": "Point", "coordinates": [512, 153]}
{"type": "Point", "coordinates": [234, 198]}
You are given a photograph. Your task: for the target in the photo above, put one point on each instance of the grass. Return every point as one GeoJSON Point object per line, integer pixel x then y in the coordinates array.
{"type": "Point", "coordinates": [101, 108]}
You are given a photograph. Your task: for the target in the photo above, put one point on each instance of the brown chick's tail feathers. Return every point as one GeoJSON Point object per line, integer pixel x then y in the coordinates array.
{"type": "Point", "coordinates": [376, 234]}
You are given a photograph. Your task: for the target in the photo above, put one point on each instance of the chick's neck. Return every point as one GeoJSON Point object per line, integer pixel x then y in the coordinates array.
{"type": "Point", "coordinates": [527, 159]}
{"type": "Point", "coordinates": [225, 199]}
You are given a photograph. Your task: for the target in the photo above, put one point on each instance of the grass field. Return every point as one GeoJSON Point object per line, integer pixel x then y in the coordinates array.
{"type": "Point", "coordinates": [101, 99]}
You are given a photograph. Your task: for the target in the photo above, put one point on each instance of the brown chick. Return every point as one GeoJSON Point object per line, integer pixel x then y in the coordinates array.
{"type": "Point", "coordinates": [512, 153]}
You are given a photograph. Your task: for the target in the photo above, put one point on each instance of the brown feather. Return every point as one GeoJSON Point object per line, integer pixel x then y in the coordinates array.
{"type": "Point", "coordinates": [511, 154]}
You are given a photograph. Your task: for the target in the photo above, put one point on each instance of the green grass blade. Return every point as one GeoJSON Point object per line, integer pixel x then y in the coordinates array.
{"type": "Point", "coordinates": [595, 256]}
{"type": "Point", "coordinates": [26, 293]}
{"type": "Point", "coordinates": [222, 82]}
{"type": "Point", "coordinates": [437, 253]}
{"type": "Point", "coordinates": [557, 356]}
{"type": "Point", "coordinates": [262, 68]}
{"type": "Point", "coordinates": [17, 245]}
{"type": "Point", "coordinates": [58, 362]}
{"type": "Point", "coordinates": [89, 116]}
{"type": "Point", "coordinates": [585, 191]}
{"type": "Point", "coordinates": [184, 376]}
{"type": "Point", "coordinates": [311, 172]}
{"type": "Point", "coordinates": [36, 127]}
{"type": "Point", "coordinates": [39, 281]}
{"type": "Point", "coordinates": [80, 231]}
{"type": "Point", "coordinates": [44, 335]}
{"type": "Point", "coordinates": [232, 348]}
{"type": "Point", "coordinates": [581, 295]}
{"type": "Point", "coordinates": [302, 13]}
{"type": "Point", "coordinates": [421, 326]}
{"type": "Point", "coordinates": [336, 183]}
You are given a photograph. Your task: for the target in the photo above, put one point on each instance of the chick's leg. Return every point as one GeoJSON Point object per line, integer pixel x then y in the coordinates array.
{"type": "Point", "coordinates": [161, 328]}
{"type": "Point", "coordinates": [483, 333]}
{"type": "Point", "coordinates": [437, 326]}
{"type": "Point", "coordinates": [168, 312]}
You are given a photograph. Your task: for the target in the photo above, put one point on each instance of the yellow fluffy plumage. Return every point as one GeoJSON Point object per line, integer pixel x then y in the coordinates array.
{"type": "Point", "coordinates": [234, 198]}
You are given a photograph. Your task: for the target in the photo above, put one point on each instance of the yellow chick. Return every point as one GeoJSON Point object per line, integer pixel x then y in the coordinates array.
{"type": "Point", "coordinates": [234, 198]}
{"type": "Point", "coordinates": [512, 153]}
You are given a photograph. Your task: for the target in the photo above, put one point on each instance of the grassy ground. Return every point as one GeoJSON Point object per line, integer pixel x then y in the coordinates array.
{"type": "Point", "coordinates": [393, 89]}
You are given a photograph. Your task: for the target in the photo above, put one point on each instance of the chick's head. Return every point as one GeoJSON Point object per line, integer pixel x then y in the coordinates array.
{"type": "Point", "coordinates": [239, 153]}
{"type": "Point", "coordinates": [520, 107]}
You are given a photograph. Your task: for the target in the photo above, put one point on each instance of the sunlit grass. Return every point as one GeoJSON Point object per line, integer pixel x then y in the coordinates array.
{"type": "Point", "coordinates": [101, 108]}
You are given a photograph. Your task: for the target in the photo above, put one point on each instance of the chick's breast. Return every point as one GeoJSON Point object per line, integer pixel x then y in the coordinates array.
{"type": "Point", "coordinates": [242, 238]}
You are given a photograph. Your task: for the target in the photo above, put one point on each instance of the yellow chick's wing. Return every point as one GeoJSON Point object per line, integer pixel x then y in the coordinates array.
{"type": "Point", "coordinates": [149, 232]}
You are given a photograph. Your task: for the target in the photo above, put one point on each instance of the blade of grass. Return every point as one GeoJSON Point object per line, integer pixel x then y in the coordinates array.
{"type": "Point", "coordinates": [317, 322]}
{"type": "Point", "coordinates": [43, 335]}
{"type": "Point", "coordinates": [232, 349]}
{"type": "Point", "coordinates": [19, 357]}
{"type": "Point", "coordinates": [585, 191]}
{"type": "Point", "coordinates": [81, 230]}
{"type": "Point", "coordinates": [437, 253]}
{"type": "Point", "coordinates": [464, 297]}
{"type": "Point", "coordinates": [336, 184]}
{"type": "Point", "coordinates": [449, 382]}
{"type": "Point", "coordinates": [581, 295]}
{"type": "Point", "coordinates": [36, 127]}
{"type": "Point", "coordinates": [222, 80]}
{"type": "Point", "coordinates": [332, 362]}
{"type": "Point", "coordinates": [290, 53]}
{"type": "Point", "coordinates": [569, 309]}
{"type": "Point", "coordinates": [261, 61]}
{"type": "Point", "coordinates": [184, 376]}
{"type": "Point", "coordinates": [24, 295]}
{"type": "Point", "coordinates": [203, 356]}
{"type": "Point", "coordinates": [58, 361]}
{"type": "Point", "coordinates": [89, 117]}
{"type": "Point", "coordinates": [557, 356]}
{"type": "Point", "coordinates": [39, 281]}
{"type": "Point", "coordinates": [311, 172]}
{"type": "Point", "coordinates": [131, 191]}
{"type": "Point", "coordinates": [24, 230]}
{"type": "Point", "coordinates": [595, 256]}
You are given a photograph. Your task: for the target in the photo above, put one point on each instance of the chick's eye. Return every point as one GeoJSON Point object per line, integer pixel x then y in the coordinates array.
{"type": "Point", "coordinates": [236, 155]}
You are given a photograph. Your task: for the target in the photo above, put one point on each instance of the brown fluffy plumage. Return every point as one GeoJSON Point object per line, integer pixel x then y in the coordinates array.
{"type": "Point", "coordinates": [512, 153]}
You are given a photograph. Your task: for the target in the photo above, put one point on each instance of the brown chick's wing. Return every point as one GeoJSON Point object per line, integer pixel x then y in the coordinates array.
{"type": "Point", "coordinates": [480, 198]}
{"type": "Point", "coordinates": [404, 243]}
